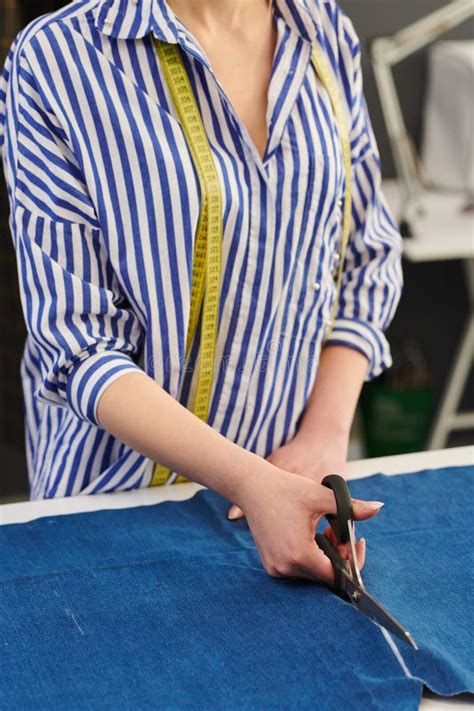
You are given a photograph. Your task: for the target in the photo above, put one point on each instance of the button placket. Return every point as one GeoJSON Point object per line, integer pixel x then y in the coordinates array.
{"type": "Point", "coordinates": [340, 209]}
{"type": "Point", "coordinates": [336, 242]}
{"type": "Point", "coordinates": [317, 296]}
{"type": "Point", "coordinates": [327, 287]}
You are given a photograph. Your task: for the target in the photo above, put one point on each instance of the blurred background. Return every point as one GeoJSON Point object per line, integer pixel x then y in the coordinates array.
{"type": "Point", "coordinates": [427, 399]}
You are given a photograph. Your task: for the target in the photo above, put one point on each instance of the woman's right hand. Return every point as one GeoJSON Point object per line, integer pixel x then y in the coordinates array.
{"type": "Point", "coordinates": [282, 511]}
{"type": "Point", "coordinates": [282, 508]}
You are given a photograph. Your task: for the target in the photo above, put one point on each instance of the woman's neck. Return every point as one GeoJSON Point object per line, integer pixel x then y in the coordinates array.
{"type": "Point", "coordinates": [211, 15]}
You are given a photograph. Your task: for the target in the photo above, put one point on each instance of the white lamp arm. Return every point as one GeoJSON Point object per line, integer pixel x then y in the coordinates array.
{"type": "Point", "coordinates": [388, 51]}
{"type": "Point", "coordinates": [391, 50]}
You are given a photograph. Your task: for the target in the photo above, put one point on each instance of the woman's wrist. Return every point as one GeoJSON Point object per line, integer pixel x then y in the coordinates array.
{"type": "Point", "coordinates": [332, 438]}
{"type": "Point", "coordinates": [329, 413]}
{"type": "Point", "coordinates": [251, 472]}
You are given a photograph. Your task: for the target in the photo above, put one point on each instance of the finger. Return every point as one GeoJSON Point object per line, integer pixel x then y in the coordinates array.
{"type": "Point", "coordinates": [362, 510]}
{"type": "Point", "coordinates": [344, 550]}
{"type": "Point", "coordinates": [317, 566]}
{"type": "Point", "coordinates": [360, 550]}
{"type": "Point", "coordinates": [326, 502]}
{"type": "Point", "coordinates": [235, 513]}
{"type": "Point", "coordinates": [331, 536]}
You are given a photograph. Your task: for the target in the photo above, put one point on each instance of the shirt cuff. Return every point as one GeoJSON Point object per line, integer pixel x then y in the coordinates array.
{"type": "Point", "coordinates": [88, 378]}
{"type": "Point", "coordinates": [366, 338]}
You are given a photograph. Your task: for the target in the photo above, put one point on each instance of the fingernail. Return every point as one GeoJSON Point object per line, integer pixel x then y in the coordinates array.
{"type": "Point", "coordinates": [233, 513]}
{"type": "Point", "coordinates": [374, 505]}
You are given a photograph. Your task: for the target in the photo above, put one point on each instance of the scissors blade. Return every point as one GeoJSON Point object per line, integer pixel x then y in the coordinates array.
{"type": "Point", "coordinates": [372, 609]}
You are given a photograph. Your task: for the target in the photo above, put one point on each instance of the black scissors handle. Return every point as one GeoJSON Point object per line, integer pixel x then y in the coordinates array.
{"type": "Point", "coordinates": [339, 564]}
{"type": "Point", "coordinates": [339, 524]}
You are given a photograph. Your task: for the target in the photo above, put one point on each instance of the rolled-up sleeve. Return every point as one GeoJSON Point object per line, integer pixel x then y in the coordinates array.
{"type": "Point", "coordinates": [372, 279]}
{"type": "Point", "coordinates": [83, 328]}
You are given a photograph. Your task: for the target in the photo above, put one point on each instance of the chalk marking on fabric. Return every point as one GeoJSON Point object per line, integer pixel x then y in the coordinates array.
{"type": "Point", "coordinates": [70, 614]}
{"type": "Point", "coordinates": [396, 652]}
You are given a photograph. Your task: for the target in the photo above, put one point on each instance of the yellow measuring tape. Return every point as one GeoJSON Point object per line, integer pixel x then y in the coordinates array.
{"type": "Point", "coordinates": [207, 250]}
{"type": "Point", "coordinates": [324, 69]}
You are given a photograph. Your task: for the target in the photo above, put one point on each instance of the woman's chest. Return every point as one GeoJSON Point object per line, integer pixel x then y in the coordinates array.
{"type": "Point", "coordinates": [141, 166]}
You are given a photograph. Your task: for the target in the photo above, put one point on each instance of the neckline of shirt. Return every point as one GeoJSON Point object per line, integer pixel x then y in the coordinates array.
{"type": "Point", "coordinates": [133, 19]}
{"type": "Point", "coordinates": [136, 18]}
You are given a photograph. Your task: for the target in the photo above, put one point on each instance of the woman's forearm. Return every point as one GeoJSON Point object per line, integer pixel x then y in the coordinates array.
{"type": "Point", "coordinates": [140, 413]}
{"type": "Point", "coordinates": [282, 509]}
{"type": "Point", "coordinates": [330, 409]}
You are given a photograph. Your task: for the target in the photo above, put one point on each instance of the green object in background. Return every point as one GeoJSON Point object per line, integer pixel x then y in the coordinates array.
{"type": "Point", "coordinates": [396, 419]}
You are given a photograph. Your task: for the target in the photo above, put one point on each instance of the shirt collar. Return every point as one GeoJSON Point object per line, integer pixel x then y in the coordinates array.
{"type": "Point", "coordinates": [132, 19]}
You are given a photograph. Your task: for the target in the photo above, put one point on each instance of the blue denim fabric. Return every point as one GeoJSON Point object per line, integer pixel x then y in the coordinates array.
{"type": "Point", "coordinates": [168, 607]}
{"type": "Point", "coordinates": [420, 564]}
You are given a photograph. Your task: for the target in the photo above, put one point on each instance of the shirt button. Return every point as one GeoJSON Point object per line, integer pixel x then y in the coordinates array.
{"type": "Point", "coordinates": [339, 202]}
{"type": "Point", "coordinates": [317, 285]}
{"type": "Point", "coordinates": [336, 257]}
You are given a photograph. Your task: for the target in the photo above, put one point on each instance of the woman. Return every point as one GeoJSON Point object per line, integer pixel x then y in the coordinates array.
{"type": "Point", "coordinates": [105, 202]}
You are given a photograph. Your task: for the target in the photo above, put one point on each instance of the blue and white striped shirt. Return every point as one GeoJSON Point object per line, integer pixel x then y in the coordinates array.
{"type": "Point", "coordinates": [105, 202]}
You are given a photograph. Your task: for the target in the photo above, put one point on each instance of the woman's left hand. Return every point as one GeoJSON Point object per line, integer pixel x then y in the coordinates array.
{"type": "Point", "coordinates": [313, 460]}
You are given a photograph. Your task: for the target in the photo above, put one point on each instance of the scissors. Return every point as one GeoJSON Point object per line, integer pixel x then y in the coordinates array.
{"type": "Point", "coordinates": [348, 580]}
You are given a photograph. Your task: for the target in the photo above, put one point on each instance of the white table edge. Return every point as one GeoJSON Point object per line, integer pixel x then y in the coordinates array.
{"type": "Point", "coordinates": [25, 511]}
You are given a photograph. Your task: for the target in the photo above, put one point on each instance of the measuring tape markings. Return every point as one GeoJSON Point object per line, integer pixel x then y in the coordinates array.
{"type": "Point", "coordinates": [324, 69]}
